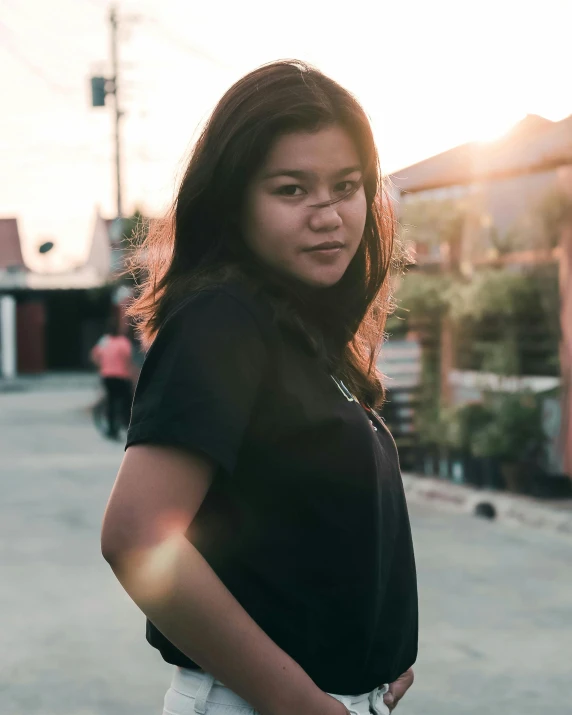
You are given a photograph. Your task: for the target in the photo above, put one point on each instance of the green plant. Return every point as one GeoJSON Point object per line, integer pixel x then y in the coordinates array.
{"type": "Point", "coordinates": [508, 323]}
{"type": "Point", "coordinates": [505, 242]}
{"type": "Point", "coordinates": [514, 432]}
{"type": "Point", "coordinates": [554, 210]}
{"type": "Point", "coordinates": [434, 221]}
{"type": "Point", "coordinates": [423, 294]}
{"type": "Point", "coordinates": [460, 423]}
{"type": "Point", "coordinates": [428, 424]}
{"type": "Point", "coordinates": [500, 357]}
{"type": "Point", "coordinates": [497, 293]}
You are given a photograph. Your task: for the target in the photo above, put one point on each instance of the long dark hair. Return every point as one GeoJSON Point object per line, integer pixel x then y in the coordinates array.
{"type": "Point", "coordinates": [199, 241]}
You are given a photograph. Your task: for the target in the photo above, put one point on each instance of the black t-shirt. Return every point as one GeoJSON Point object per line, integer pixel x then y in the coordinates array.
{"type": "Point", "coordinates": [306, 521]}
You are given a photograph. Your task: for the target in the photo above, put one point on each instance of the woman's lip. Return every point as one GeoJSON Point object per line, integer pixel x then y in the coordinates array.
{"type": "Point", "coordinates": [326, 254]}
{"type": "Point", "coordinates": [327, 247]}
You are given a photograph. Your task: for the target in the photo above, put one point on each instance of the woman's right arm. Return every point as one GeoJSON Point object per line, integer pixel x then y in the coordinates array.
{"type": "Point", "coordinates": [155, 498]}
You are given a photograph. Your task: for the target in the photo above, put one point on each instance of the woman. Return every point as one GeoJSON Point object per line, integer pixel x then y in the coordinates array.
{"type": "Point", "coordinates": [113, 355]}
{"type": "Point", "coordinates": [258, 518]}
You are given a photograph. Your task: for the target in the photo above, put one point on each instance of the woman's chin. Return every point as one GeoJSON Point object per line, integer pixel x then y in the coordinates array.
{"type": "Point", "coordinates": [323, 278]}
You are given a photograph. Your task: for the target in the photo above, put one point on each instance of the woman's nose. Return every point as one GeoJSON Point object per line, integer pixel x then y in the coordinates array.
{"type": "Point", "coordinates": [325, 218]}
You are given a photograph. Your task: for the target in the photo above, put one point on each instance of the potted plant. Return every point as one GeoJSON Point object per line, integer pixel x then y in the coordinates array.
{"type": "Point", "coordinates": [427, 428]}
{"type": "Point", "coordinates": [462, 422]}
{"type": "Point", "coordinates": [444, 430]}
{"type": "Point", "coordinates": [514, 437]}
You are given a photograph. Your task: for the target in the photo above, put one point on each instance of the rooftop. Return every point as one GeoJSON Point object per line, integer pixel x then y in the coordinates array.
{"type": "Point", "coordinates": [535, 144]}
{"type": "Point", "coordinates": [10, 250]}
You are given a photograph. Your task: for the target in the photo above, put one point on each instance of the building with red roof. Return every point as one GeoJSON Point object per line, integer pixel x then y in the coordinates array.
{"type": "Point", "coordinates": [10, 249]}
{"type": "Point", "coordinates": [50, 321]}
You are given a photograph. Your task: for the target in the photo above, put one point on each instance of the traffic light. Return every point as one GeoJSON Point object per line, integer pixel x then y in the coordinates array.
{"type": "Point", "coordinates": [98, 91]}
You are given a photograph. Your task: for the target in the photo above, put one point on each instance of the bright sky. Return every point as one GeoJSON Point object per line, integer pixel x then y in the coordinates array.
{"type": "Point", "coordinates": [431, 75]}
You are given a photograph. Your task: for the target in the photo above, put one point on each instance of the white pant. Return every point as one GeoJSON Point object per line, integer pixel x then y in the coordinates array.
{"type": "Point", "coordinates": [194, 692]}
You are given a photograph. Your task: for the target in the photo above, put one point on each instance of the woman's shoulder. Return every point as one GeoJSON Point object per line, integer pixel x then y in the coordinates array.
{"type": "Point", "coordinates": [224, 303]}
{"type": "Point", "coordinates": [211, 325]}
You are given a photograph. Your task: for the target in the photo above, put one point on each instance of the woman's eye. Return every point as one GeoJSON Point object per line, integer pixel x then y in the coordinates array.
{"type": "Point", "coordinates": [345, 186]}
{"type": "Point", "coordinates": [290, 190]}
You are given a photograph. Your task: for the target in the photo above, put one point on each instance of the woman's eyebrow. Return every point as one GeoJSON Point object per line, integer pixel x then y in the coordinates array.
{"type": "Point", "coordinates": [300, 174]}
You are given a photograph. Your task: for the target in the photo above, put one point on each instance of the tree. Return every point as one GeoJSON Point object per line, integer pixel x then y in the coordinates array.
{"type": "Point", "coordinates": [437, 222]}
{"type": "Point", "coordinates": [554, 210]}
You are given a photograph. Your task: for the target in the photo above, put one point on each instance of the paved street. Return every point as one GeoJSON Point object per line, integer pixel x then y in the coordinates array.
{"type": "Point", "coordinates": [496, 601]}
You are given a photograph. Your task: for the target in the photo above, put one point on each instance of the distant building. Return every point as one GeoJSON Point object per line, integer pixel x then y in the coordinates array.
{"type": "Point", "coordinates": [10, 251]}
{"type": "Point", "coordinates": [534, 145]}
{"type": "Point", "coordinates": [49, 321]}
{"type": "Point", "coordinates": [505, 178]}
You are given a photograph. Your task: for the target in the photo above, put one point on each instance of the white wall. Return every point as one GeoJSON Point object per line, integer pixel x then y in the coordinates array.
{"type": "Point", "coordinates": [8, 349]}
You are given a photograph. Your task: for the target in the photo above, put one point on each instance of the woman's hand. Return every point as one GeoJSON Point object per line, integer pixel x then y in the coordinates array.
{"type": "Point", "coordinates": [398, 689]}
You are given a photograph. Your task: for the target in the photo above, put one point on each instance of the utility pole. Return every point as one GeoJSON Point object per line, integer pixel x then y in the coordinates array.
{"type": "Point", "coordinates": [118, 112]}
{"type": "Point", "coordinates": [100, 88]}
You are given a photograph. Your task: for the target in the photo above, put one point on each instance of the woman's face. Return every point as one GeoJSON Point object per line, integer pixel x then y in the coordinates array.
{"type": "Point", "coordinates": [282, 224]}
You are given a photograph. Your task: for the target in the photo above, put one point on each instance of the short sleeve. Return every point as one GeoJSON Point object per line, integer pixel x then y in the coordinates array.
{"type": "Point", "coordinates": [200, 379]}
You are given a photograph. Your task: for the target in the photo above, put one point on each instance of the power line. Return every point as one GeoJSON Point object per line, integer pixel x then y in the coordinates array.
{"type": "Point", "coordinates": [183, 44]}
{"type": "Point", "coordinates": [159, 27]}
{"type": "Point", "coordinates": [35, 23]}
{"type": "Point", "coordinates": [35, 69]}
{"type": "Point", "coordinates": [99, 4]}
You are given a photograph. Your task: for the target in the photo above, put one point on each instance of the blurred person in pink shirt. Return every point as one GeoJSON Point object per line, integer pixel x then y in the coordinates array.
{"type": "Point", "coordinates": [113, 355]}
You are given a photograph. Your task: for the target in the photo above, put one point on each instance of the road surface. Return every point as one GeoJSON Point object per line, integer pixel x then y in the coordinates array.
{"type": "Point", "coordinates": [496, 601]}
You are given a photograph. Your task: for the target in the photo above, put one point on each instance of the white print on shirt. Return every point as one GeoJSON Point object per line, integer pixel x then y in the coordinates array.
{"type": "Point", "coordinates": [349, 397]}
{"type": "Point", "coordinates": [344, 390]}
